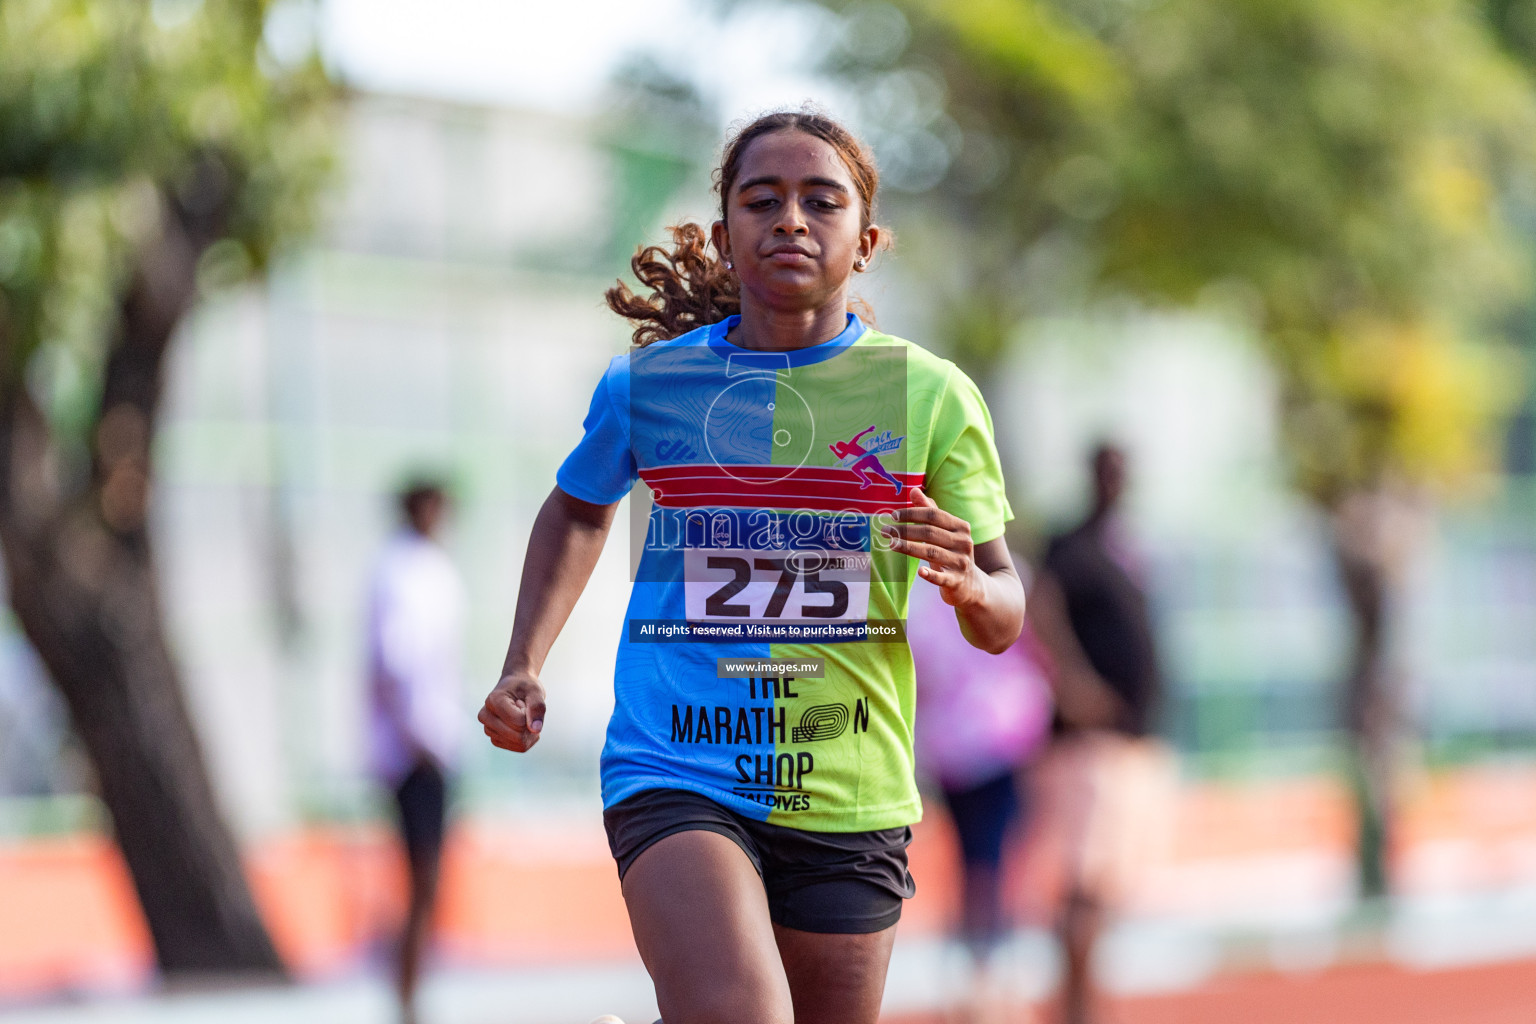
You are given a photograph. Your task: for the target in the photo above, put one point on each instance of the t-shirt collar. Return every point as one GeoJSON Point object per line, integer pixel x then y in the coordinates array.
{"type": "Point", "coordinates": [755, 359]}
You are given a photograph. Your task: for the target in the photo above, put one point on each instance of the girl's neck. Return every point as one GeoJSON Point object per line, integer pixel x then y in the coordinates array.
{"type": "Point", "coordinates": [775, 330]}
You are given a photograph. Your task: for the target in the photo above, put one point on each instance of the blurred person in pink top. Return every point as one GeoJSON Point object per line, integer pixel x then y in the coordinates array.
{"type": "Point", "coordinates": [417, 716]}
{"type": "Point", "coordinates": [980, 720]}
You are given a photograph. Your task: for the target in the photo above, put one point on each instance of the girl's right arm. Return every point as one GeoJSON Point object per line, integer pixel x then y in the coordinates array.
{"type": "Point", "coordinates": [567, 538]}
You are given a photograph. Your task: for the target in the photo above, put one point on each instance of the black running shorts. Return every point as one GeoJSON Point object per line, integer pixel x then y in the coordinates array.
{"type": "Point", "coordinates": [846, 883]}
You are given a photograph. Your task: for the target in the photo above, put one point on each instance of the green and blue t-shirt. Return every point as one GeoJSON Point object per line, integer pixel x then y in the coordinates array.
{"type": "Point", "coordinates": [771, 474]}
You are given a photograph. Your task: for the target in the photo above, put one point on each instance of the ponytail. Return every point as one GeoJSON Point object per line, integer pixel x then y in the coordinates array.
{"type": "Point", "coordinates": [689, 288]}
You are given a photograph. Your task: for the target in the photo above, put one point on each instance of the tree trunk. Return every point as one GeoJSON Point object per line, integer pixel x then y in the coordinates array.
{"type": "Point", "coordinates": [1363, 534]}
{"type": "Point", "coordinates": [83, 584]}
{"type": "Point", "coordinates": [89, 604]}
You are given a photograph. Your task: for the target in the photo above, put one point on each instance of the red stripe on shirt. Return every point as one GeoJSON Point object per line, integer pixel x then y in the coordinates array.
{"type": "Point", "coordinates": [811, 487]}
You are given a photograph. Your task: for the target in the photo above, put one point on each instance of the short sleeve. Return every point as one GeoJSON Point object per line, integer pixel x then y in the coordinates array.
{"type": "Point", "coordinates": [964, 474]}
{"type": "Point", "coordinates": [601, 469]}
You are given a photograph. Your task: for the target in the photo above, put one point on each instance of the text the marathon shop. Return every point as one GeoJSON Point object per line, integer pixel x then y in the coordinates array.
{"type": "Point", "coordinates": [774, 779]}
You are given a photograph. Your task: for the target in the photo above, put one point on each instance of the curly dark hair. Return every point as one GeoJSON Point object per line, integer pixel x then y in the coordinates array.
{"type": "Point", "coordinates": [689, 285]}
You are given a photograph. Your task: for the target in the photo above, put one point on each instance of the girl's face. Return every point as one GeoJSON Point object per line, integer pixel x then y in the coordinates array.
{"type": "Point", "coordinates": [793, 224]}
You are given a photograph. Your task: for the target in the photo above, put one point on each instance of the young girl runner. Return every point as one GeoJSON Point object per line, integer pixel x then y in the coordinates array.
{"type": "Point", "coordinates": [760, 814]}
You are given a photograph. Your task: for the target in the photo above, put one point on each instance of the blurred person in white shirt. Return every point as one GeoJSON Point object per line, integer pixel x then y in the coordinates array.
{"type": "Point", "coordinates": [415, 627]}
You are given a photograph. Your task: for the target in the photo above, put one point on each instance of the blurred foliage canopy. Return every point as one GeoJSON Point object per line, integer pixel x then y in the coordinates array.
{"type": "Point", "coordinates": [108, 113]}
{"type": "Point", "coordinates": [1346, 176]}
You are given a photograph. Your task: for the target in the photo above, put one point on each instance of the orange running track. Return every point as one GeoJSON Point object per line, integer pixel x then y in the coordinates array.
{"type": "Point", "coordinates": [1362, 994]}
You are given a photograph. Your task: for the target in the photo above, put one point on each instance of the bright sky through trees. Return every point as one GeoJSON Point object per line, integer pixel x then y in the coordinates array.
{"type": "Point", "coordinates": [559, 55]}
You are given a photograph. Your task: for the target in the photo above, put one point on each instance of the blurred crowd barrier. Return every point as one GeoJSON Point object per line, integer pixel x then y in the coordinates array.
{"type": "Point", "coordinates": [1270, 859]}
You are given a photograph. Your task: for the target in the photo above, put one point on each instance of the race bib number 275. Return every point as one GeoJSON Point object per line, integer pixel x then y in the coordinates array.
{"type": "Point", "coordinates": [789, 587]}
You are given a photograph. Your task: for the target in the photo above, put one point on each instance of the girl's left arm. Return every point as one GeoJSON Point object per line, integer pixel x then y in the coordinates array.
{"type": "Point", "coordinates": [978, 580]}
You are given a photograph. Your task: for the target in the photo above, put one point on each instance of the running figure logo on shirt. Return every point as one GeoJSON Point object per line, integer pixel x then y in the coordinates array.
{"type": "Point", "coordinates": [864, 460]}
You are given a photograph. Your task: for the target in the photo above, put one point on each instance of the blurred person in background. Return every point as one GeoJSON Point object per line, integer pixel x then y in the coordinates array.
{"type": "Point", "coordinates": [1103, 781]}
{"type": "Point", "coordinates": [981, 718]}
{"type": "Point", "coordinates": [416, 610]}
